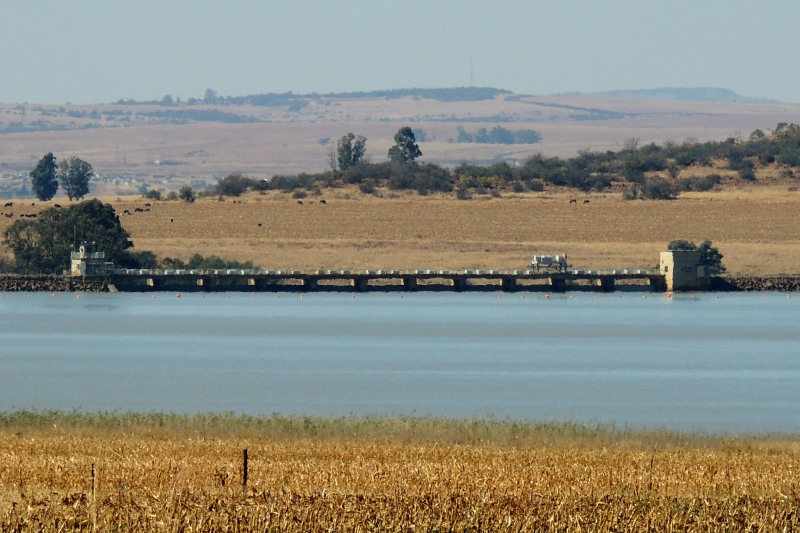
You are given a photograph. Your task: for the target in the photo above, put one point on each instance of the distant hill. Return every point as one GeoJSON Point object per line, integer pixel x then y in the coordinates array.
{"type": "Point", "coordinates": [296, 101]}
{"type": "Point", "coordinates": [681, 94]}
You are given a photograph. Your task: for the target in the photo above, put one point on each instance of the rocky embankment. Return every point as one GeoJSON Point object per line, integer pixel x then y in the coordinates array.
{"type": "Point", "coordinates": [752, 283]}
{"type": "Point", "coordinates": [15, 283]}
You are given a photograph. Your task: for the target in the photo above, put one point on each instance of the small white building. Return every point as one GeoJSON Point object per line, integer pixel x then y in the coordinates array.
{"type": "Point", "coordinates": [87, 262]}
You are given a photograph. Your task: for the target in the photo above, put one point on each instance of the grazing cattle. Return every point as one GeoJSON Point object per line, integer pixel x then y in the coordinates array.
{"type": "Point", "coordinates": [260, 224]}
{"type": "Point", "coordinates": [573, 200]}
{"type": "Point", "coordinates": [138, 210]}
{"type": "Point", "coordinates": [586, 201]}
{"type": "Point", "coordinates": [147, 205]}
{"type": "Point", "coordinates": [323, 202]}
{"type": "Point", "coordinates": [9, 215]}
{"type": "Point", "coordinates": [172, 220]}
{"type": "Point", "coordinates": [33, 204]}
{"type": "Point", "coordinates": [57, 206]}
{"type": "Point", "coordinates": [300, 202]}
{"type": "Point", "coordinates": [126, 212]}
{"type": "Point", "coordinates": [9, 204]}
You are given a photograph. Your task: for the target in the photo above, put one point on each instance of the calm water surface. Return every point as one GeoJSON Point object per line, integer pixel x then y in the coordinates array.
{"type": "Point", "coordinates": [716, 363]}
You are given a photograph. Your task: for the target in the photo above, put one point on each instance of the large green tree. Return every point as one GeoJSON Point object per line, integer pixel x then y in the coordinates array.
{"type": "Point", "coordinates": [74, 175]}
{"type": "Point", "coordinates": [43, 245]}
{"type": "Point", "coordinates": [405, 149]}
{"type": "Point", "coordinates": [44, 177]}
{"type": "Point", "coordinates": [350, 150]}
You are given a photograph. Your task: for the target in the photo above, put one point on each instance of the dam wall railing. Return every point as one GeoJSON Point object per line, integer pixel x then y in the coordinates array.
{"type": "Point", "coordinates": [383, 280]}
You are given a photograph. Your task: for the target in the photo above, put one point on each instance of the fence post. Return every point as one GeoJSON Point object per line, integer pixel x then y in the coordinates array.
{"type": "Point", "coordinates": [244, 471]}
{"type": "Point", "coordinates": [94, 498]}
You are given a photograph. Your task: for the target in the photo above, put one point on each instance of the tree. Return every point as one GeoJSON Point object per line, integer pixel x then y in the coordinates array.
{"type": "Point", "coordinates": [405, 149]}
{"type": "Point", "coordinates": [186, 194]}
{"type": "Point", "coordinates": [44, 177]}
{"type": "Point", "coordinates": [233, 184]}
{"type": "Point", "coordinates": [350, 150]}
{"type": "Point", "coordinates": [43, 245]}
{"type": "Point", "coordinates": [74, 175]}
{"type": "Point", "coordinates": [709, 255]}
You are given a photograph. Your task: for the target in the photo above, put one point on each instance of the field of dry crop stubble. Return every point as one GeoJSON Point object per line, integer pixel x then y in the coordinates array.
{"type": "Point", "coordinates": [151, 479]}
{"type": "Point", "coordinates": [757, 231]}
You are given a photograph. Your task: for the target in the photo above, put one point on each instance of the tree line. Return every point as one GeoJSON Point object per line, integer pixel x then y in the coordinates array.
{"type": "Point", "coordinates": [651, 171]}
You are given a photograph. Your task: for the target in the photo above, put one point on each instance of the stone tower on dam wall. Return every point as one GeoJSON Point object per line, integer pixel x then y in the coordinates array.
{"type": "Point", "coordinates": [684, 271]}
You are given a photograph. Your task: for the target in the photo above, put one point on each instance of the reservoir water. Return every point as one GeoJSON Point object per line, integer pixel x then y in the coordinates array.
{"type": "Point", "coordinates": [719, 363]}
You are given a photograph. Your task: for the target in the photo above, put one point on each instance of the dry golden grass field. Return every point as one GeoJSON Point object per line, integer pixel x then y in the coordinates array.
{"type": "Point", "coordinates": [756, 229]}
{"type": "Point", "coordinates": [162, 473]}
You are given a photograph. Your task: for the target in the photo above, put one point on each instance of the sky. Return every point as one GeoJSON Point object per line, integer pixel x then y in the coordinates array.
{"type": "Point", "coordinates": [97, 51]}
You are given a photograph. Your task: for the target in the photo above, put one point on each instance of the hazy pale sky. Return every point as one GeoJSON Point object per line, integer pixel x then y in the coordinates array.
{"type": "Point", "coordinates": [94, 51]}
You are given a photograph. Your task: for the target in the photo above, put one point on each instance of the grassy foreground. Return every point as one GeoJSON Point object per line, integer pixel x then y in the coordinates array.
{"type": "Point", "coordinates": [160, 472]}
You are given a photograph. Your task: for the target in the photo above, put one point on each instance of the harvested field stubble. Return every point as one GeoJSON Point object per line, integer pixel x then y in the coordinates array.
{"type": "Point", "coordinates": [307, 477]}
{"type": "Point", "coordinates": [755, 230]}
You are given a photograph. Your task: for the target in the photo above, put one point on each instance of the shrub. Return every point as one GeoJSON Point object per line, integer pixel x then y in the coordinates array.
{"type": "Point", "coordinates": [698, 184]}
{"type": "Point", "coordinates": [186, 194]}
{"type": "Point", "coordinates": [535, 186]}
{"type": "Point", "coordinates": [367, 186]}
{"type": "Point", "coordinates": [658, 188]}
{"type": "Point", "coordinates": [153, 194]}
{"type": "Point", "coordinates": [233, 184]}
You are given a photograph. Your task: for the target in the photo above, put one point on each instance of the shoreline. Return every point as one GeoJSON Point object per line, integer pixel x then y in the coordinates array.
{"type": "Point", "coordinates": [405, 428]}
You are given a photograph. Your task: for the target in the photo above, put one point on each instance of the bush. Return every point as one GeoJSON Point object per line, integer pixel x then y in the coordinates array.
{"type": "Point", "coordinates": [698, 184]}
{"type": "Point", "coordinates": [747, 170]}
{"type": "Point", "coordinates": [658, 188]}
{"type": "Point", "coordinates": [186, 194]}
{"type": "Point", "coordinates": [141, 259]}
{"type": "Point", "coordinates": [367, 186]}
{"type": "Point", "coordinates": [198, 262]}
{"type": "Point", "coordinates": [153, 194]}
{"type": "Point", "coordinates": [233, 184]}
{"type": "Point", "coordinates": [633, 193]}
